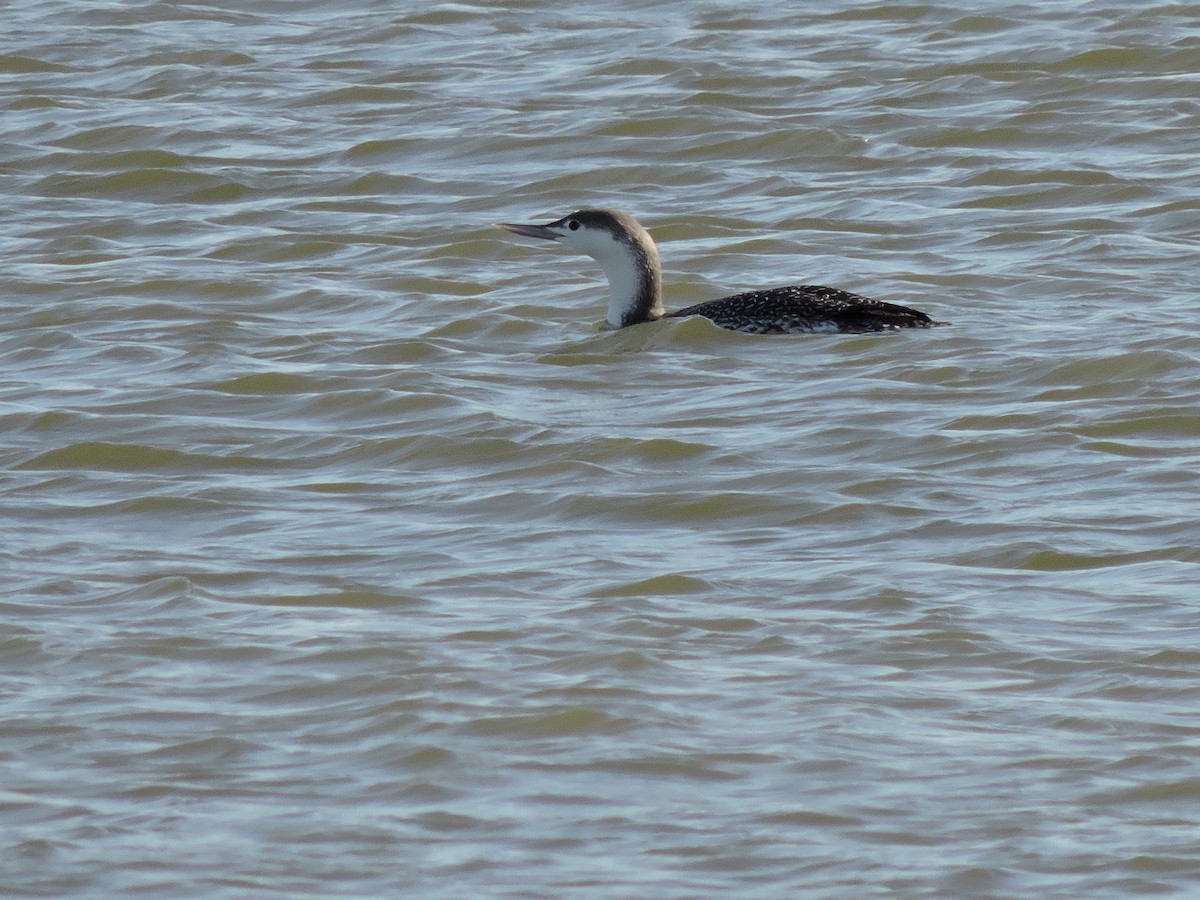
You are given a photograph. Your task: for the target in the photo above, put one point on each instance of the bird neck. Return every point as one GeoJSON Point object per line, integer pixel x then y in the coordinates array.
{"type": "Point", "coordinates": [635, 283]}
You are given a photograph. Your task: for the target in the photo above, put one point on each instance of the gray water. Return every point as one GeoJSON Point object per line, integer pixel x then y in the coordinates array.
{"type": "Point", "coordinates": [344, 554]}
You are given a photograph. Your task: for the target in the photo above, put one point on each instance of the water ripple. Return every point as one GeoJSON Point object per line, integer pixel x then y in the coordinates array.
{"type": "Point", "coordinates": [344, 548]}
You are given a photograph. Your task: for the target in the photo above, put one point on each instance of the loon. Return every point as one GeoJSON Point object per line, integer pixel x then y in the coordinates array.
{"type": "Point", "coordinates": [629, 258]}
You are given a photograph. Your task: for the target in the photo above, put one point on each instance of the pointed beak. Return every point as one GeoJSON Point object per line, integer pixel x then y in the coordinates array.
{"type": "Point", "coordinates": [535, 231]}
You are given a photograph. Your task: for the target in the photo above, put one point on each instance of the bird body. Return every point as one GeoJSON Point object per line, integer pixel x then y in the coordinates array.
{"type": "Point", "coordinates": [629, 257]}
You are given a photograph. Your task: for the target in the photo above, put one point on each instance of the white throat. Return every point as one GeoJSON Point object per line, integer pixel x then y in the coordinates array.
{"type": "Point", "coordinates": [630, 275]}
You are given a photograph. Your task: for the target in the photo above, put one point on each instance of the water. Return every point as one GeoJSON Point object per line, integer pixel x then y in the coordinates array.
{"type": "Point", "coordinates": [344, 555]}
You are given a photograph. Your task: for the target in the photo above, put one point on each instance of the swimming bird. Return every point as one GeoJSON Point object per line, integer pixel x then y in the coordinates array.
{"type": "Point", "coordinates": [629, 258]}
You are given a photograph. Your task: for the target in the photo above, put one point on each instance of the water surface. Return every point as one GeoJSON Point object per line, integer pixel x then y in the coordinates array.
{"type": "Point", "coordinates": [344, 554]}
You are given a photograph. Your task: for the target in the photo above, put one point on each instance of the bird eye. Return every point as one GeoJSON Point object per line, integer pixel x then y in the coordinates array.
{"type": "Point", "coordinates": [573, 225]}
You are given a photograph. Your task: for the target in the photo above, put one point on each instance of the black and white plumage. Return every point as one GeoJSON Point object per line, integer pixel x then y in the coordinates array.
{"type": "Point", "coordinates": [629, 258]}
